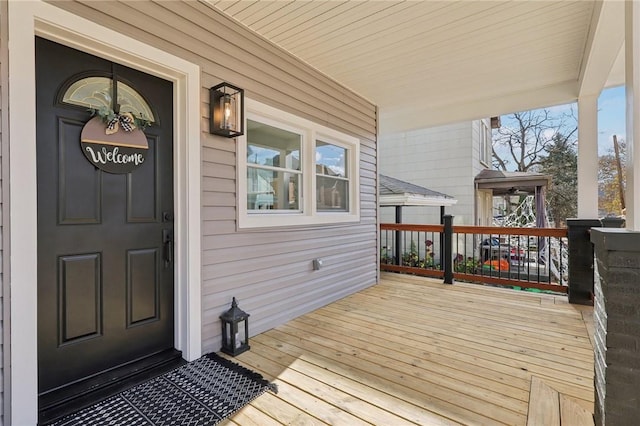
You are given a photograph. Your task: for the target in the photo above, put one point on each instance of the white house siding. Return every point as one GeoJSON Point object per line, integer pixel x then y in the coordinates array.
{"type": "Point", "coordinates": [444, 159]}
{"type": "Point", "coordinates": [483, 209]}
{"type": "Point", "coordinates": [268, 271]}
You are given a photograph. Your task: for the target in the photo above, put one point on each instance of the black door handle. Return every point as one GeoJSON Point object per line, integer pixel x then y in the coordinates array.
{"type": "Point", "coordinates": [167, 242]}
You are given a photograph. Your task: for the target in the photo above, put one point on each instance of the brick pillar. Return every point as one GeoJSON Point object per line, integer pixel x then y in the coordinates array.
{"type": "Point", "coordinates": [617, 326]}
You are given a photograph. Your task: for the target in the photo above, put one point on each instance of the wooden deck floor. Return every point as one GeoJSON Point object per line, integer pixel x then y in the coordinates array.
{"type": "Point", "coordinates": [411, 350]}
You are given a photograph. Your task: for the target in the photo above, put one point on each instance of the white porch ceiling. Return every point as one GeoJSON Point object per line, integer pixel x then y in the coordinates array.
{"type": "Point", "coordinates": [426, 63]}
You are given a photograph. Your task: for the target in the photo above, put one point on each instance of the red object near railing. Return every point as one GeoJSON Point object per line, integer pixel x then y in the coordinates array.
{"type": "Point", "coordinates": [516, 257]}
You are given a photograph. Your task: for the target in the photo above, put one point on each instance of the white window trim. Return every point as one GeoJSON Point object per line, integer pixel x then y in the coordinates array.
{"type": "Point", "coordinates": [485, 148]}
{"type": "Point", "coordinates": [310, 132]}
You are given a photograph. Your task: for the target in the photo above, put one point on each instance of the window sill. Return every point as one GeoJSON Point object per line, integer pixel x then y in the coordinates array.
{"type": "Point", "coordinates": [281, 220]}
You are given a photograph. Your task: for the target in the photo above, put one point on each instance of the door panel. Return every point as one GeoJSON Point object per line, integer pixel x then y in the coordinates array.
{"type": "Point", "coordinates": [80, 297]}
{"type": "Point", "coordinates": [142, 201]}
{"type": "Point", "coordinates": [79, 185]}
{"type": "Point", "coordinates": [143, 286]}
{"type": "Point", "coordinates": [105, 293]}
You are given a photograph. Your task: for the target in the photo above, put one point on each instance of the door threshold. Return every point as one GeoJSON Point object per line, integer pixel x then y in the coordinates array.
{"type": "Point", "coordinates": [67, 399]}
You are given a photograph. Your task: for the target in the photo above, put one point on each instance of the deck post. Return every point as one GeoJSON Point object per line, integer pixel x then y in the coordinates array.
{"type": "Point", "coordinates": [581, 276]}
{"type": "Point", "coordinates": [588, 156]}
{"type": "Point", "coordinates": [447, 254]}
{"type": "Point", "coordinates": [398, 251]}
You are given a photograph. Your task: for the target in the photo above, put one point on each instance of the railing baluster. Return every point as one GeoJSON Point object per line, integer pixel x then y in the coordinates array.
{"type": "Point", "coordinates": [448, 261]}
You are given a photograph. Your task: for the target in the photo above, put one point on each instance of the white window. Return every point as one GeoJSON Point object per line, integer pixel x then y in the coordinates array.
{"type": "Point", "coordinates": [292, 171]}
{"type": "Point", "coordinates": [485, 144]}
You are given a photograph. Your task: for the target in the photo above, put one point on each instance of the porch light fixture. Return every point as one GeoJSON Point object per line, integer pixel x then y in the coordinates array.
{"type": "Point", "coordinates": [235, 330]}
{"type": "Point", "coordinates": [227, 110]}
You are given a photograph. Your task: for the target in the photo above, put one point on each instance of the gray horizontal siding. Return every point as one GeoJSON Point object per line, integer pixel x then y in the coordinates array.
{"type": "Point", "coordinates": [269, 271]}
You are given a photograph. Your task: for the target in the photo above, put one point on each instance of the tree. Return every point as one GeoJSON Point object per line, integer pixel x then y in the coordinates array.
{"type": "Point", "coordinates": [561, 162]}
{"type": "Point", "coordinates": [542, 141]}
{"type": "Point", "coordinates": [526, 137]}
{"type": "Point", "coordinates": [609, 202]}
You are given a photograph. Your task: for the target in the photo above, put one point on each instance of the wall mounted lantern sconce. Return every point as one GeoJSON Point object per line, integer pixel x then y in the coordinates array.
{"type": "Point", "coordinates": [235, 330]}
{"type": "Point", "coordinates": [227, 110]}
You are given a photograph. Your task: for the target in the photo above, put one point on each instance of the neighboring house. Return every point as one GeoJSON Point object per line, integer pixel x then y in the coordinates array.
{"type": "Point", "coordinates": [397, 193]}
{"type": "Point", "coordinates": [508, 188]}
{"type": "Point", "coordinates": [156, 256]}
{"type": "Point", "coordinates": [444, 159]}
{"type": "Point", "coordinates": [404, 197]}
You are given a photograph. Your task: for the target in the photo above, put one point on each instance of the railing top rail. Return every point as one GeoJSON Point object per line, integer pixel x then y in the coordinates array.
{"type": "Point", "coordinates": [486, 230]}
{"type": "Point", "coordinates": [495, 230]}
{"type": "Point", "coordinates": [410, 227]}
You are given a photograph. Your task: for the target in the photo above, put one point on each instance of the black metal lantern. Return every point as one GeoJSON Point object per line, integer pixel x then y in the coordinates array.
{"type": "Point", "coordinates": [235, 330]}
{"type": "Point", "coordinates": [227, 110]}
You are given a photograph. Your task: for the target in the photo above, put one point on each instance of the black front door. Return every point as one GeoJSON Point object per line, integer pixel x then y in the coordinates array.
{"type": "Point", "coordinates": [105, 270]}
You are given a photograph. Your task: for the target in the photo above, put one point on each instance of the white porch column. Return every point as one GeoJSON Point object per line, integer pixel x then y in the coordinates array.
{"type": "Point", "coordinates": [588, 157]}
{"type": "Point", "coordinates": [632, 85]}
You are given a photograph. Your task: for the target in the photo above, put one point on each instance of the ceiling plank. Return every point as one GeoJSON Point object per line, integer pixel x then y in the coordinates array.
{"type": "Point", "coordinates": [422, 57]}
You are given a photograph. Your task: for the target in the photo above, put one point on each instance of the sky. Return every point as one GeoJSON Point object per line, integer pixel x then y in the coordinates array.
{"type": "Point", "coordinates": [611, 118]}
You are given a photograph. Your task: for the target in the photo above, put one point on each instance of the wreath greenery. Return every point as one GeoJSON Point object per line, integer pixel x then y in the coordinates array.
{"type": "Point", "coordinates": [108, 116]}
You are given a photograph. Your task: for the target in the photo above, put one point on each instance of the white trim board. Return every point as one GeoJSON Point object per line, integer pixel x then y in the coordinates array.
{"type": "Point", "coordinates": [28, 19]}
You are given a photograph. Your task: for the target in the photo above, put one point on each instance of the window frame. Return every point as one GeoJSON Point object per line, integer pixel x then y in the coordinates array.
{"type": "Point", "coordinates": [485, 140]}
{"type": "Point", "coordinates": [310, 133]}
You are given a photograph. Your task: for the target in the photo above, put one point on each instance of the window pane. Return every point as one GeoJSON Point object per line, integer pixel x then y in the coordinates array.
{"type": "Point", "coordinates": [332, 194]}
{"type": "Point", "coordinates": [95, 92]}
{"type": "Point", "coordinates": [270, 146]}
{"type": "Point", "coordinates": [330, 159]}
{"type": "Point", "coordinates": [131, 101]}
{"type": "Point", "coordinates": [272, 190]}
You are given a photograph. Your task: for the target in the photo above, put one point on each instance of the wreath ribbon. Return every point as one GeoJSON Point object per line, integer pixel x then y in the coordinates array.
{"type": "Point", "coordinates": [125, 120]}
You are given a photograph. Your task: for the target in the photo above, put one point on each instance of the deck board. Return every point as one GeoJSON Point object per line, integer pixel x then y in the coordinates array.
{"type": "Point", "coordinates": [545, 405]}
{"type": "Point", "coordinates": [412, 350]}
{"type": "Point", "coordinates": [574, 414]}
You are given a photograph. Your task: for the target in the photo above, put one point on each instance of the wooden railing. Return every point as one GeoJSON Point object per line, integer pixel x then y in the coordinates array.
{"type": "Point", "coordinates": [516, 257]}
{"type": "Point", "coordinates": [411, 249]}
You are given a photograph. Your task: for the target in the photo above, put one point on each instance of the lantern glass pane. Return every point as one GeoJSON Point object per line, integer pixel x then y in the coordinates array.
{"type": "Point", "coordinates": [228, 107]}
{"type": "Point", "coordinates": [241, 338]}
{"type": "Point", "coordinates": [227, 327]}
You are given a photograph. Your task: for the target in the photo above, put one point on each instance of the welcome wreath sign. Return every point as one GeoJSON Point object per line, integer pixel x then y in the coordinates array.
{"type": "Point", "coordinates": [115, 142]}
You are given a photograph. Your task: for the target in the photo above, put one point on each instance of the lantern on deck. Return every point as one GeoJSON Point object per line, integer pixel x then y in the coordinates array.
{"type": "Point", "coordinates": [235, 330]}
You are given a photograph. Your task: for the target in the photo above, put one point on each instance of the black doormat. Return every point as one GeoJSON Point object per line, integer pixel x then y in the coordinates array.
{"type": "Point", "coordinates": [200, 393]}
